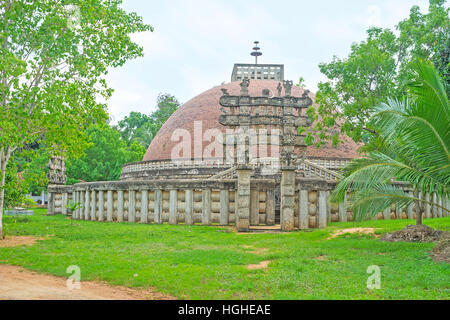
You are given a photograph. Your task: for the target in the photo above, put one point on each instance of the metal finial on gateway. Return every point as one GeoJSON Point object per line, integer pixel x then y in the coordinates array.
{"type": "Point", "coordinates": [256, 53]}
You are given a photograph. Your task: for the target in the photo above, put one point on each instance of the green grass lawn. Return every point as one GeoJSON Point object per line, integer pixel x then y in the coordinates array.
{"type": "Point", "coordinates": [210, 262]}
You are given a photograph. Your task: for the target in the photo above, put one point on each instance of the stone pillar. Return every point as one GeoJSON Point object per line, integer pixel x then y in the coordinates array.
{"type": "Point", "coordinates": [65, 197]}
{"type": "Point", "coordinates": [93, 205]}
{"type": "Point", "coordinates": [427, 206]}
{"type": "Point", "coordinates": [158, 206]}
{"type": "Point", "coordinates": [144, 206]}
{"type": "Point", "coordinates": [87, 208]}
{"type": "Point", "coordinates": [189, 207]}
{"type": "Point", "coordinates": [43, 197]}
{"type": "Point", "coordinates": [303, 219]}
{"type": "Point", "coordinates": [173, 199]}
{"type": "Point", "coordinates": [343, 210]}
{"type": "Point", "coordinates": [82, 202]}
{"type": "Point", "coordinates": [224, 207]}
{"type": "Point", "coordinates": [51, 204]}
{"type": "Point", "coordinates": [74, 200]}
{"type": "Point", "coordinates": [270, 207]}
{"type": "Point", "coordinates": [328, 193]}
{"type": "Point", "coordinates": [398, 211]}
{"type": "Point", "coordinates": [242, 199]}
{"type": "Point", "coordinates": [322, 209]}
{"type": "Point", "coordinates": [101, 205]}
{"type": "Point", "coordinates": [120, 206]}
{"type": "Point", "coordinates": [441, 203]}
{"type": "Point", "coordinates": [109, 206]}
{"type": "Point", "coordinates": [206, 207]}
{"type": "Point", "coordinates": [435, 200]}
{"type": "Point", "coordinates": [409, 210]}
{"type": "Point", "coordinates": [131, 206]}
{"type": "Point", "coordinates": [254, 207]}
{"type": "Point", "coordinates": [287, 199]}
{"type": "Point", "coordinates": [387, 213]}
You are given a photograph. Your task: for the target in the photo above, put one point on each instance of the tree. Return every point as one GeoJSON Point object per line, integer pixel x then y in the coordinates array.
{"type": "Point", "coordinates": [53, 63]}
{"type": "Point", "coordinates": [377, 69]}
{"type": "Point", "coordinates": [140, 128]}
{"type": "Point", "coordinates": [104, 159]}
{"type": "Point", "coordinates": [414, 147]}
{"type": "Point", "coordinates": [136, 127]}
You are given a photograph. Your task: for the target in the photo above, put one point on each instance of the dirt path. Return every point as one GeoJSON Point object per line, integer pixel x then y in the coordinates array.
{"type": "Point", "coordinates": [18, 283]}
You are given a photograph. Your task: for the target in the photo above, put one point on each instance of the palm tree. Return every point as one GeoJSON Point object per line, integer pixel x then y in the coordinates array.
{"type": "Point", "coordinates": [413, 148]}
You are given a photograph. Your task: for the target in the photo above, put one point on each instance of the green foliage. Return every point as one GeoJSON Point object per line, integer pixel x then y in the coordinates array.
{"type": "Point", "coordinates": [377, 69]}
{"type": "Point", "coordinates": [140, 128]}
{"type": "Point", "coordinates": [104, 159]}
{"type": "Point", "coordinates": [72, 206]}
{"type": "Point", "coordinates": [301, 83]}
{"type": "Point", "coordinates": [52, 71]}
{"type": "Point", "coordinates": [15, 187]}
{"type": "Point", "coordinates": [413, 147]}
{"type": "Point", "coordinates": [198, 262]}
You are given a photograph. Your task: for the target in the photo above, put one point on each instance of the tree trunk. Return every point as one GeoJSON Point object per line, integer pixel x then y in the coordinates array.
{"type": "Point", "coordinates": [4, 158]}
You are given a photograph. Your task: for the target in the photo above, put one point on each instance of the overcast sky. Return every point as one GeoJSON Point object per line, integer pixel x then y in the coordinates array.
{"type": "Point", "coordinates": [196, 42]}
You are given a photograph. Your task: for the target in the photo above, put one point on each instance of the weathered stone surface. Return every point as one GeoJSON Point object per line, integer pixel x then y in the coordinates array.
{"type": "Point", "coordinates": [173, 206]}
{"type": "Point", "coordinates": [206, 207]}
{"type": "Point", "coordinates": [303, 220]}
{"type": "Point", "coordinates": [322, 217]}
{"type": "Point", "coordinates": [224, 207]}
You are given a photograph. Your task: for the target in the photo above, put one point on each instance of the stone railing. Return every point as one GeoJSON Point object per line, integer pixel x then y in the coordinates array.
{"type": "Point", "coordinates": [208, 168]}
{"type": "Point", "coordinates": [245, 202]}
{"type": "Point", "coordinates": [172, 201]}
{"type": "Point", "coordinates": [312, 169]}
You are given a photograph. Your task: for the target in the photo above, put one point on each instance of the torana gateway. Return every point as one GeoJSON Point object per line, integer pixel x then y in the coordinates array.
{"type": "Point", "coordinates": [230, 156]}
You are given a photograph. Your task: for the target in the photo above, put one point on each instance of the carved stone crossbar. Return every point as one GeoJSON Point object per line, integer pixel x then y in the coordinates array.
{"type": "Point", "coordinates": [293, 102]}
{"type": "Point", "coordinates": [264, 120]}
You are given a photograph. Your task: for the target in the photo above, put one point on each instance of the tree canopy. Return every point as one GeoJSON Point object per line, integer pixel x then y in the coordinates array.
{"type": "Point", "coordinates": [414, 148]}
{"type": "Point", "coordinates": [53, 63]}
{"type": "Point", "coordinates": [141, 128]}
{"type": "Point", "coordinates": [376, 69]}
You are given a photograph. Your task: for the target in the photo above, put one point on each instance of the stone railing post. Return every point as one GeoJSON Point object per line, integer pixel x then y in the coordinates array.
{"type": "Point", "coordinates": [158, 206]}
{"type": "Point", "coordinates": [101, 206]}
{"type": "Point", "coordinates": [65, 198]}
{"type": "Point", "coordinates": [409, 210]}
{"type": "Point", "coordinates": [303, 220]}
{"type": "Point", "coordinates": [144, 206]}
{"type": "Point", "coordinates": [83, 204]}
{"type": "Point", "coordinates": [427, 206]}
{"type": "Point", "coordinates": [206, 207]}
{"type": "Point", "coordinates": [343, 210]}
{"type": "Point", "coordinates": [120, 206]}
{"type": "Point", "coordinates": [109, 206]}
{"type": "Point", "coordinates": [242, 198]}
{"type": "Point", "coordinates": [131, 206]}
{"type": "Point", "coordinates": [270, 207]}
{"type": "Point", "coordinates": [287, 198]}
{"type": "Point", "coordinates": [93, 205]}
{"type": "Point", "coordinates": [254, 207]}
{"type": "Point", "coordinates": [51, 203]}
{"type": "Point", "coordinates": [189, 207]}
{"type": "Point", "coordinates": [328, 193]}
{"type": "Point", "coordinates": [173, 200]}
{"type": "Point", "coordinates": [87, 205]}
{"type": "Point", "coordinates": [322, 208]}
{"type": "Point", "coordinates": [224, 207]}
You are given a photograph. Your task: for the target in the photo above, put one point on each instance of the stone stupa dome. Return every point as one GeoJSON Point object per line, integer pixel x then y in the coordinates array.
{"type": "Point", "coordinates": [205, 108]}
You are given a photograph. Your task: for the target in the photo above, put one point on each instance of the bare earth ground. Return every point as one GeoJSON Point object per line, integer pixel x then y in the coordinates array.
{"type": "Point", "coordinates": [19, 284]}
{"type": "Point", "coordinates": [352, 231]}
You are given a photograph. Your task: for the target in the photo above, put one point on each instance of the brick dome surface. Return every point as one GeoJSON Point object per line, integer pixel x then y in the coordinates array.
{"type": "Point", "coordinates": [205, 108]}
